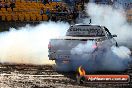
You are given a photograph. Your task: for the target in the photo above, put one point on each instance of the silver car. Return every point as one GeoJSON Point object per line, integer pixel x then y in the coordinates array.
{"type": "Point", "coordinates": [69, 51]}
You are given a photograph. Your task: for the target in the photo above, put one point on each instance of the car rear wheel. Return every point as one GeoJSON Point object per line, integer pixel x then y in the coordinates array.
{"type": "Point", "coordinates": [81, 80]}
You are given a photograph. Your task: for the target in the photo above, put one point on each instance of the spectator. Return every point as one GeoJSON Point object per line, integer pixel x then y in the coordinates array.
{"type": "Point", "coordinates": [12, 5]}
{"type": "Point", "coordinates": [6, 5]}
{"type": "Point", "coordinates": [1, 5]}
{"type": "Point", "coordinates": [41, 11]}
{"type": "Point", "coordinates": [59, 9]}
{"type": "Point", "coordinates": [47, 1]}
{"type": "Point", "coordinates": [36, 1]}
{"type": "Point", "coordinates": [50, 1]}
{"type": "Point", "coordinates": [48, 12]}
{"type": "Point", "coordinates": [57, 6]}
{"type": "Point", "coordinates": [13, 0]}
{"type": "Point", "coordinates": [65, 9]}
{"type": "Point", "coordinates": [82, 7]}
{"type": "Point", "coordinates": [44, 2]}
{"type": "Point", "coordinates": [53, 17]}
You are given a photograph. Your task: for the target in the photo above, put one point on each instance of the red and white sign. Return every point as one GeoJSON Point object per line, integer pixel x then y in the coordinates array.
{"type": "Point", "coordinates": [107, 78]}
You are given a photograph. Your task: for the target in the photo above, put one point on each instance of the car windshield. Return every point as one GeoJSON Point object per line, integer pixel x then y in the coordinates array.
{"type": "Point", "coordinates": [85, 31]}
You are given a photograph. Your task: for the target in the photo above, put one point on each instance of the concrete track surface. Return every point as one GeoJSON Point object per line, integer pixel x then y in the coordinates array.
{"type": "Point", "coordinates": [44, 76]}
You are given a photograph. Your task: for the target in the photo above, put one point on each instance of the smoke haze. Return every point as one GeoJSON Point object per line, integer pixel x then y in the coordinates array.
{"type": "Point", "coordinates": [29, 45]}
{"type": "Point", "coordinates": [103, 58]}
{"type": "Point", "coordinates": [113, 19]}
{"type": "Point", "coordinates": [107, 57]}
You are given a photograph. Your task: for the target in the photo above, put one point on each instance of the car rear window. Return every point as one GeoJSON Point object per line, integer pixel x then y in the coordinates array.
{"type": "Point", "coordinates": [85, 31]}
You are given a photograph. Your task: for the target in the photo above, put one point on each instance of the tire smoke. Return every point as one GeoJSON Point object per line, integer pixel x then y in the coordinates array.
{"type": "Point", "coordinates": [102, 58]}
{"type": "Point", "coordinates": [107, 57]}
{"type": "Point", "coordinates": [114, 19]}
{"type": "Point", "coordinates": [29, 44]}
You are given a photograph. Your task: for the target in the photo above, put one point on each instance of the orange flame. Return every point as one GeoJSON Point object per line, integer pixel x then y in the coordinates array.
{"type": "Point", "coordinates": [81, 71]}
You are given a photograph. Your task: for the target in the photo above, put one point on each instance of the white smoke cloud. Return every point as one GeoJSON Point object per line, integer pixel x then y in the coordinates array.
{"type": "Point", "coordinates": [122, 52]}
{"type": "Point", "coordinates": [113, 19]}
{"type": "Point", "coordinates": [107, 57]}
{"type": "Point", "coordinates": [103, 58]}
{"type": "Point", "coordinates": [29, 45]}
{"type": "Point", "coordinates": [83, 48]}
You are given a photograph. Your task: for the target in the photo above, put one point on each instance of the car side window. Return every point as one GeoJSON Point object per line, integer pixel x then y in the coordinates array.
{"type": "Point", "coordinates": [107, 33]}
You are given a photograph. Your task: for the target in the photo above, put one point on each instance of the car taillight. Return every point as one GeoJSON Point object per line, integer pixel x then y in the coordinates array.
{"type": "Point", "coordinates": [95, 46]}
